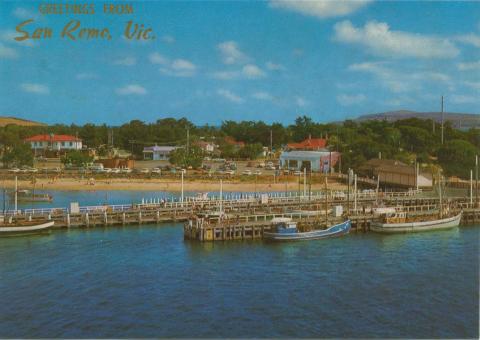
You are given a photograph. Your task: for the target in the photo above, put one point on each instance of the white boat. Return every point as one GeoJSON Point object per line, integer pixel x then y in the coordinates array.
{"type": "Point", "coordinates": [24, 228]}
{"type": "Point", "coordinates": [286, 230]}
{"type": "Point", "coordinates": [399, 223]}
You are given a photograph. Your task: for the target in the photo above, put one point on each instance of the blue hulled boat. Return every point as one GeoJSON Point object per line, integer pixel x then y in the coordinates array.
{"type": "Point", "coordinates": [286, 230]}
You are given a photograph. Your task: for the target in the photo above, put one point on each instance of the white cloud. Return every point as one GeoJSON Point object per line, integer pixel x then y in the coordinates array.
{"type": "Point", "coordinates": [475, 65]}
{"type": "Point", "coordinates": [8, 36]}
{"type": "Point", "coordinates": [157, 58]}
{"type": "Point", "coordinates": [252, 71]}
{"type": "Point", "coordinates": [86, 76]}
{"type": "Point", "coordinates": [229, 95]}
{"type": "Point", "coordinates": [24, 13]}
{"type": "Point", "coordinates": [274, 67]}
{"type": "Point", "coordinates": [231, 53]}
{"type": "Point", "coordinates": [473, 84]}
{"type": "Point", "coordinates": [399, 81]}
{"type": "Point", "coordinates": [347, 100]}
{"type": "Point", "coordinates": [380, 40]}
{"type": "Point", "coordinates": [300, 101]}
{"type": "Point", "coordinates": [249, 71]}
{"type": "Point", "coordinates": [7, 52]}
{"type": "Point", "coordinates": [128, 61]}
{"type": "Point", "coordinates": [179, 68]}
{"type": "Point", "coordinates": [168, 39]}
{"type": "Point", "coordinates": [464, 99]}
{"type": "Point", "coordinates": [471, 39]}
{"type": "Point", "coordinates": [262, 95]}
{"type": "Point", "coordinates": [226, 75]}
{"type": "Point", "coordinates": [35, 88]}
{"type": "Point", "coordinates": [321, 9]}
{"type": "Point", "coordinates": [131, 89]}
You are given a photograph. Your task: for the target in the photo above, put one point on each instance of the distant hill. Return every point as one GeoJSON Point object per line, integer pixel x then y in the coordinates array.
{"type": "Point", "coordinates": [458, 120]}
{"type": "Point", "coordinates": [4, 121]}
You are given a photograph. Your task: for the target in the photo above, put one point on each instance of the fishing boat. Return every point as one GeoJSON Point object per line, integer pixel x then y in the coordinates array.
{"type": "Point", "coordinates": [24, 228]}
{"type": "Point", "coordinates": [29, 196]}
{"type": "Point", "coordinates": [399, 222]}
{"type": "Point", "coordinates": [286, 230]}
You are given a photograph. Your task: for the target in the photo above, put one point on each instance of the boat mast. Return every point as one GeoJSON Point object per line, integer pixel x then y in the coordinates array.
{"type": "Point", "coordinates": [4, 198]}
{"type": "Point", "coordinates": [440, 193]}
{"type": "Point", "coordinates": [326, 202]}
{"type": "Point", "coordinates": [221, 197]}
{"type": "Point", "coordinates": [16, 195]}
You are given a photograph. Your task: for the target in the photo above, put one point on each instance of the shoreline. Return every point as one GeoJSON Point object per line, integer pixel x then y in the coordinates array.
{"type": "Point", "coordinates": [72, 184]}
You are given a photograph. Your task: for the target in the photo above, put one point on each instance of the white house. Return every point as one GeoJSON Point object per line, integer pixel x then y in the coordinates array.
{"type": "Point", "coordinates": [54, 142]}
{"type": "Point", "coordinates": [157, 153]}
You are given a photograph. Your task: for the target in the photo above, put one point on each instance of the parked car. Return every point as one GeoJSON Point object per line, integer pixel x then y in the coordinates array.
{"type": "Point", "coordinates": [229, 172]}
{"type": "Point", "coordinates": [298, 173]}
{"type": "Point", "coordinates": [258, 172]}
{"type": "Point", "coordinates": [247, 172]}
{"type": "Point", "coordinates": [115, 171]}
{"type": "Point", "coordinates": [125, 170]}
{"type": "Point", "coordinates": [14, 170]}
{"type": "Point", "coordinates": [157, 171]}
{"type": "Point", "coordinates": [145, 171]}
{"type": "Point", "coordinates": [269, 167]}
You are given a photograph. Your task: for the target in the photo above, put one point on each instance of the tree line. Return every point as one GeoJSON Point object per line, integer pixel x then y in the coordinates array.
{"type": "Point", "coordinates": [406, 140]}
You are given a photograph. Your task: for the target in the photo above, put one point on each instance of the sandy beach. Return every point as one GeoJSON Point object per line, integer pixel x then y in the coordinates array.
{"type": "Point", "coordinates": [158, 185]}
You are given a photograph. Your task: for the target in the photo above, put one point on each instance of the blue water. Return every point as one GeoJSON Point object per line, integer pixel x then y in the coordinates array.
{"type": "Point", "coordinates": [148, 282]}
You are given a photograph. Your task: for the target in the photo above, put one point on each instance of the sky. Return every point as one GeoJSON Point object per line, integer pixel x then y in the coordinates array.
{"type": "Point", "coordinates": [211, 61]}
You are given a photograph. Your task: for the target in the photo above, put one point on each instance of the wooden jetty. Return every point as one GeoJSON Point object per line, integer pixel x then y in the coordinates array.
{"type": "Point", "coordinates": [250, 215]}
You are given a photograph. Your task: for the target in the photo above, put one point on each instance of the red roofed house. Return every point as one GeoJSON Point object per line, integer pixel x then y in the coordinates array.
{"type": "Point", "coordinates": [232, 141]}
{"type": "Point", "coordinates": [312, 144]}
{"type": "Point", "coordinates": [54, 142]}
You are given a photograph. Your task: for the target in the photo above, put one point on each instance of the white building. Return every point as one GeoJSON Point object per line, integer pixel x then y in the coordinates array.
{"type": "Point", "coordinates": [54, 142]}
{"type": "Point", "coordinates": [158, 153]}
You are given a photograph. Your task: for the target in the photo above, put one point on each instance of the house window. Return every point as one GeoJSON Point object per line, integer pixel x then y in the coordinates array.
{"type": "Point", "coordinates": [63, 143]}
{"type": "Point", "coordinates": [71, 143]}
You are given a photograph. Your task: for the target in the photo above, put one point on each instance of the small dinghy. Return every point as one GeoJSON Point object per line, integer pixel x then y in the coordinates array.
{"type": "Point", "coordinates": [286, 230]}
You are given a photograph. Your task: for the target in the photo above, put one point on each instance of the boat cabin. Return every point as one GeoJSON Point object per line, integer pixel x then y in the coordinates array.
{"type": "Point", "coordinates": [284, 225]}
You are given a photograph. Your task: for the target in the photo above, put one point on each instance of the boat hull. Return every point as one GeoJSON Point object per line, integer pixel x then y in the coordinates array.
{"type": "Point", "coordinates": [14, 230]}
{"type": "Point", "coordinates": [333, 231]}
{"type": "Point", "coordinates": [390, 228]}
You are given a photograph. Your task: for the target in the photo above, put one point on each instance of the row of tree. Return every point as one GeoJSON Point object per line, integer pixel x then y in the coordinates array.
{"type": "Point", "coordinates": [405, 140]}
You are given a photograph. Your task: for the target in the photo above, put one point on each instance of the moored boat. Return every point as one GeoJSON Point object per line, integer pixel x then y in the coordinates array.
{"type": "Point", "coordinates": [25, 228]}
{"type": "Point", "coordinates": [398, 222]}
{"type": "Point", "coordinates": [286, 230]}
{"type": "Point", "coordinates": [29, 196]}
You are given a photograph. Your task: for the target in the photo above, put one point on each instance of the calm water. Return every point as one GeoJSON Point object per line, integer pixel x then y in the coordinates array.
{"type": "Point", "coordinates": [147, 282]}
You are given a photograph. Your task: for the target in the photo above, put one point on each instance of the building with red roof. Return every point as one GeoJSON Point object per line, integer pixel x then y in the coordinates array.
{"type": "Point", "coordinates": [54, 142]}
{"type": "Point", "coordinates": [310, 144]}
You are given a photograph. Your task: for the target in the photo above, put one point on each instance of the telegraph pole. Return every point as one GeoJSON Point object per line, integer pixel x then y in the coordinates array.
{"type": "Point", "coordinates": [442, 120]}
{"type": "Point", "coordinates": [188, 140]}
{"type": "Point", "coordinates": [271, 143]}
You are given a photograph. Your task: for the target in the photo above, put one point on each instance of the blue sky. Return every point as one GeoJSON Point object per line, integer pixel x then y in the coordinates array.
{"type": "Point", "coordinates": [245, 60]}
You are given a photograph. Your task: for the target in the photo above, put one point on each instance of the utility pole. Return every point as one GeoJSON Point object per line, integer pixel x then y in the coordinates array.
{"type": "Point", "coordinates": [442, 120]}
{"type": "Point", "coordinates": [188, 141]}
{"type": "Point", "coordinates": [271, 143]}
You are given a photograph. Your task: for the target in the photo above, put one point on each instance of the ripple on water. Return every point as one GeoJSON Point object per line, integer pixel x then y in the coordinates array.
{"type": "Point", "coordinates": [148, 282]}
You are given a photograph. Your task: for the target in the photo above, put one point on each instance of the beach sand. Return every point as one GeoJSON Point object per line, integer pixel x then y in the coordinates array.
{"type": "Point", "coordinates": [169, 185]}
